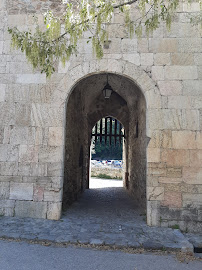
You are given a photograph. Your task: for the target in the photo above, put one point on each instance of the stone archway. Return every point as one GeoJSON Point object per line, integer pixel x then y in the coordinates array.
{"type": "Point", "coordinates": [86, 106]}
{"type": "Point", "coordinates": [139, 78]}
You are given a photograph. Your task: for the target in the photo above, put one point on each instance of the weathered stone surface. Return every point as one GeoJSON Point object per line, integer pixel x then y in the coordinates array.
{"type": "Point", "coordinates": [192, 88]}
{"type": "Point", "coordinates": [195, 158]}
{"type": "Point", "coordinates": [9, 152]}
{"type": "Point", "coordinates": [31, 78]}
{"type": "Point", "coordinates": [28, 153]}
{"type": "Point", "coordinates": [146, 59]}
{"type": "Point", "coordinates": [179, 102]}
{"type": "Point", "coordinates": [192, 175]}
{"type": "Point", "coordinates": [38, 193]}
{"type": "Point", "coordinates": [182, 59]}
{"type": "Point", "coordinates": [155, 193]}
{"type": "Point", "coordinates": [9, 168]}
{"type": "Point", "coordinates": [55, 136]}
{"type": "Point", "coordinates": [158, 73]}
{"type": "Point", "coordinates": [172, 199]}
{"type": "Point", "coordinates": [184, 140]}
{"type": "Point", "coordinates": [4, 190]}
{"type": "Point", "coordinates": [52, 196]}
{"type": "Point", "coordinates": [181, 73]}
{"type": "Point", "coordinates": [21, 191]}
{"type": "Point", "coordinates": [54, 211]}
{"type": "Point", "coordinates": [171, 88]}
{"type": "Point", "coordinates": [161, 59]}
{"type": "Point", "coordinates": [31, 209]}
{"type": "Point", "coordinates": [50, 154]}
{"type": "Point", "coordinates": [176, 157]}
{"type": "Point", "coordinates": [167, 45]}
{"type": "Point", "coordinates": [2, 92]}
{"type": "Point", "coordinates": [153, 154]}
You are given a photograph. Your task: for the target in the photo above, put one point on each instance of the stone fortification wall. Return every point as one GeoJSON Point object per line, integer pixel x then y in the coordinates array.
{"type": "Point", "coordinates": [167, 67]}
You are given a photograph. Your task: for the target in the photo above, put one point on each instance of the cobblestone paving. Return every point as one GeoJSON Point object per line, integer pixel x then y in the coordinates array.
{"type": "Point", "coordinates": [103, 215]}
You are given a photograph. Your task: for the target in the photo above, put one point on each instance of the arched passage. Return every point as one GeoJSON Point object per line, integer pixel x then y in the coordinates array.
{"type": "Point", "coordinates": [86, 105]}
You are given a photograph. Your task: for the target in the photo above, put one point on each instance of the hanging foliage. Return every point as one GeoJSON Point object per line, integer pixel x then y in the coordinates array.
{"type": "Point", "coordinates": [59, 40]}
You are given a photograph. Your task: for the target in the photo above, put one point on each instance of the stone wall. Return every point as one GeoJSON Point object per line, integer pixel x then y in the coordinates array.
{"type": "Point", "coordinates": [167, 67]}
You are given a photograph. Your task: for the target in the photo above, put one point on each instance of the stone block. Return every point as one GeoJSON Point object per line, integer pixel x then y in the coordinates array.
{"type": "Point", "coordinates": [182, 59]}
{"type": "Point", "coordinates": [192, 175]}
{"type": "Point", "coordinates": [189, 45]}
{"type": "Point", "coordinates": [184, 139]}
{"type": "Point", "coordinates": [181, 73]}
{"type": "Point", "coordinates": [19, 135]}
{"type": "Point", "coordinates": [191, 7]}
{"type": "Point", "coordinates": [1, 47]}
{"type": "Point", "coordinates": [52, 196]}
{"type": "Point", "coordinates": [161, 139]}
{"type": "Point", "coordinates": [57, 183]}
{"type": "Point", "coordinates": [128, 45]}
{"type": "Point", "coordinates": [172, 199]}
{"type": "Point", "coordinates": [143, 45]}
{"type": "Point", "coordinates": [153, 154]}
{"type": "Point", "coordinates": [31, 209]}
{"type": "Point", "coordinates": [38, 194]}
{"type": "Point", "coordinates": [174, 172]}
{"type": "Point", "coordinates": [198, 59]}
{"type": "Point", "coordinates": [169, 180]}
{"type": "Point", "coordinates": [2, 92]}
{"type": "Point", "coordinates": [22, 114]}
{"type": "Point", "coordinates": [11, 179]}
{"type": "Point", "coordinates": [158, 73]}
{"type": "Point", "coordinates": [21, 191]}
{"type": "Point", "coordinates": [161, 59]}
{"type": "Point", "coordinates": [196, 102]}
{"type": "Point", "coordinates": [192, 88]}
{"type": "Point", "coordinates": [155, 193]}
{"type": "Point", "coordinates": [7, 114]}
{"type": "Point", "coordinates": [19, 20]}
{"type": "Point", "coordinates": [199, 72]}
{"type": "Point", "coordinates": [166, 45]}
{"type": "Point", "coordinates": [165, 119]}
{"type": "Point", "coordinates": [1, 135]}
{"type": "Point", "coordinates": [9, 152]}
{"type": "Point", "coordinates": [8, 168]}
{"type": "Point", "coordinates": [55, 136]}
{"type": "Point", "coordinates": [147, 59]}
{"type": "Point", "coordinates": [50, 154]}
{"type": "Point", "coordinates": [190, 119]}
{"type": "Point", "coordinates": [154, 99]}
{"type": "Point", "coordinates": [43, 115]}
{"type": "Point", "coordinates": [31, 78]}
{"type": "Point", "coordinates": [28, 153]}
{"type": "Point", "coordinates": [132, 58]}
{"type": "Point", "coordinates": [55, 169]}
{"type": "Point", "coordinates": [199, 139]}
{"type": "Point", "coordinates": [4, 190]}
{"type": "Point", "coordinates": [195, 158]}
{"type": "Point", "coordinates": [175, 157]}
{"type": "Point", "coordinates": [179, 102]}
{"type": "Point", "coordinates": [153, 217]}
{"type": "Point", "coordinates": [192, 197]}
{"type": "Point", "coordinates": [54, 211]}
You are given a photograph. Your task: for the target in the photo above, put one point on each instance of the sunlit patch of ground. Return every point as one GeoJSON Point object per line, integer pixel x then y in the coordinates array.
{"type": "Point", "coordinates": [105, 183]}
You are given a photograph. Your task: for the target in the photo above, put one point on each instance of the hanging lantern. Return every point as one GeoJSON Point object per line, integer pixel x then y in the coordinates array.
{"type": "Point", "coordinates": [107, 91]}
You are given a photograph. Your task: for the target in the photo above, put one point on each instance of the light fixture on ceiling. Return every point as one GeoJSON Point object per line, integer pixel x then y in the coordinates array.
{"type": "Point", "coordinates": [107, 91]}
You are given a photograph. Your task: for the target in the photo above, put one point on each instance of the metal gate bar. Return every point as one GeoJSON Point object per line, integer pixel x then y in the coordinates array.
{"type": "Point", "coordinates": [108, 127]}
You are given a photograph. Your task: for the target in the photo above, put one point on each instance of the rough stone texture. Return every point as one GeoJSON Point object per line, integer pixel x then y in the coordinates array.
{"type": "Point", "coordinates": [21, 191]}
{"type": "Point", "coordinates": [45, 124]}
